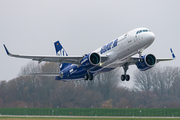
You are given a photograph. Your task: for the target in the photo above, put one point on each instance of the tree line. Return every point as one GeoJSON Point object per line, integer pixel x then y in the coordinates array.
{"type": "Point", "coordinates": [154, 88]}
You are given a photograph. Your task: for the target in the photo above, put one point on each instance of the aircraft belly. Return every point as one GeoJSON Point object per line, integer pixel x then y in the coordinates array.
{"type": "Point", "coordinates": [99, 69]}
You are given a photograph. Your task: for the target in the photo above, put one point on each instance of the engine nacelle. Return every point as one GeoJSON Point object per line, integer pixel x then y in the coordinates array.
{"type": "Point", "coordinates": [146, 62]}
{"type": "Point", "coordinates": [90, 60]}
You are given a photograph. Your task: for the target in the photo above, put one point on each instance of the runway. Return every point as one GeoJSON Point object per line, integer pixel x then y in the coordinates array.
{"type": "Point", "coordinates": [34, 116]}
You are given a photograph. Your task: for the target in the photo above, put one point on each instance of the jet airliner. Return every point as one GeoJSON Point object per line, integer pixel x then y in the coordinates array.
{"type": "Point", "coordinates": [117, 53]}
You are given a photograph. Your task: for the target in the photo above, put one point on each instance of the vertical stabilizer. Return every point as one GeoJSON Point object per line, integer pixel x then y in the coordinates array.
{"type": "Point", "coordinates": [60, 51]}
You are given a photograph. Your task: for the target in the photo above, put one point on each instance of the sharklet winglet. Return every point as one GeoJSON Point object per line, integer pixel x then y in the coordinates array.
{"type": "Point", "coordinates": [8, 53]}
{"type": "Point", "coordinates": [172, 53]}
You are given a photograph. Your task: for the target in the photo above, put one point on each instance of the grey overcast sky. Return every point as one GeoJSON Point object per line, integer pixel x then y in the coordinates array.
{"type": "Point", "coordinates": [32, 27]}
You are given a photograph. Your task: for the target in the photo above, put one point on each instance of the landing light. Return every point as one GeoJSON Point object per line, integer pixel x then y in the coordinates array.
{"type": "Point", "coordinates": [100, 64]}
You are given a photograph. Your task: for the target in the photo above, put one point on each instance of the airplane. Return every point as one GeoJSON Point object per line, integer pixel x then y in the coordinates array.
{"type": "Point", "coordinates": [117, 53]}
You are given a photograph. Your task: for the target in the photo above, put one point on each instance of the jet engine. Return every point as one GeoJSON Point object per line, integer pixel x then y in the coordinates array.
{"type": "Point", "coordinates": [90, 60]}
{"type": "Point", "coordinates": [146, 62]}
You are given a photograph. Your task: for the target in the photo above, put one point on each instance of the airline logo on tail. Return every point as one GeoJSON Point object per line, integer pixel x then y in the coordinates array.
{"type": "Point", "coordinates": [60, 51]}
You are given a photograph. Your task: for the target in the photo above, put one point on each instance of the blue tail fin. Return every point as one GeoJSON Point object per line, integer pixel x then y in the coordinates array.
{"type": "Point", "coordinates": [60, 51]}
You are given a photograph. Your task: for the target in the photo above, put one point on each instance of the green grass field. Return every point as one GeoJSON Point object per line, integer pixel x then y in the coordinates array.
{"type": "Point", "coordinates": [61, 118]}
{"type": "Point", "coordinates": [168, 112]}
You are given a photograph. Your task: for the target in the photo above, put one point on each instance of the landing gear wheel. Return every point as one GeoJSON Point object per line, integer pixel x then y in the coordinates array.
{"type": "Point", "coordinates": [86, 77]}
{"type": "Point", "coordinates": [90, 77]}
{"type": "Point", "coordinates": [123, 77]}
{"type": "Point", "coordinates": [127, 77]}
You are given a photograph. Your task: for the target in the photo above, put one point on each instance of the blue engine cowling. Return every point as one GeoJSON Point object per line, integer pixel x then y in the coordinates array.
{"type": "Point", "coordinates": [90, 60]}
{"type": "Point", "coordinates": [146, 62]}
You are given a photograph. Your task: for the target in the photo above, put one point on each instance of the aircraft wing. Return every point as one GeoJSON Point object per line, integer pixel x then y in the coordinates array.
{"type": "Point", "coordinates": [134, 60]}
{"type": "Point", "coordinates": [167, 59]}
{"type": "Point", "coordinates": [61, 59]}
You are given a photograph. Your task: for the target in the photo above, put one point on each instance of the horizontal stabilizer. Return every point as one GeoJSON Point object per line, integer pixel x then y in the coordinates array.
{"type": "Point", "coordinates": [46, 74]}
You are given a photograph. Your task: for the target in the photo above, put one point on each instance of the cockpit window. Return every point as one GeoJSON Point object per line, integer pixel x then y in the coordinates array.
{"type": "Point", "coordinates": [142, 31]}
{"type": "Point", "coordinates": [145, 30]}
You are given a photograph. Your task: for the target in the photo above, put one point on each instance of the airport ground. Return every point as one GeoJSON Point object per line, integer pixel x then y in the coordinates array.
{"type": "Point", "coordinates": [16, 117]}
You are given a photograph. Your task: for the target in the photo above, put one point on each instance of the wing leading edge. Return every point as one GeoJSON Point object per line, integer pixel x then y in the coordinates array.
{"type": "Point", "coordinates": [134, 60]}
{"type": "Point", "coordinates": [61, 59]}
{"type": "Point", "coordinates": [167, 59]}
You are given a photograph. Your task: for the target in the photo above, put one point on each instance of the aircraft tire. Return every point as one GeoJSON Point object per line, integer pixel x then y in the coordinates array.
{"type": "Point", "coordinates": [127, 77]}
{"type": "Point", "coordinates": [86, 77]}
{"type": "Point", "coordinates": [123, 77]}
{"type": "Point", "coordinates": [90, 77]}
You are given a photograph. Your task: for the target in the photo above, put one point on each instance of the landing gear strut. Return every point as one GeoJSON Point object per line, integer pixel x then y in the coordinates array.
{"type": "Point", "coordinates": [125, 76]}
{"type": "Point", "coordinates": [139, 52]}
{"type": "Point", "coordinates": [86, 77]}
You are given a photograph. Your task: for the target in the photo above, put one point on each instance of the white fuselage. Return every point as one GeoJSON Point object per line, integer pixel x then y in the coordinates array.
{"type": "Point", "coordinates": [127, 45]}
{"type": "Point", "coordinates": [117, 52]}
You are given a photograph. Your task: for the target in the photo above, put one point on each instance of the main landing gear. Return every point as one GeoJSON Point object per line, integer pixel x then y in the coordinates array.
{"type": "Point", "coordinates": [88, 76]}
{"type": "Point", "coordinates": [125, 76]}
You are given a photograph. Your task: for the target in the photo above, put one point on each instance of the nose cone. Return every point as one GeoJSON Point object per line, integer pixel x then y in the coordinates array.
{"type": "Point", "coordinates": [151, 37]}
